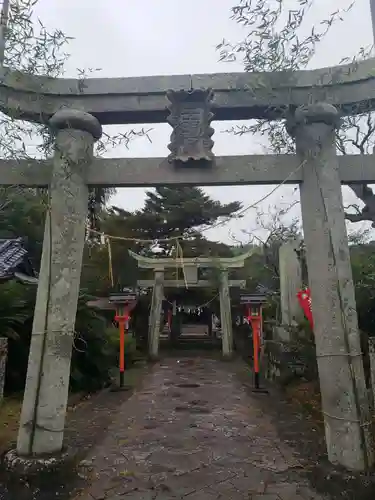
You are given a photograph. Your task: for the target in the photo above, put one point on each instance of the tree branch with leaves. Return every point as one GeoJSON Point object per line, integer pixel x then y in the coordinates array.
{"type": "Point", "coordinates": [357, 136]}
{"type": "Point", "coordinates": [33, 49]}
{"type": "Point", "coordinates": [279, 38]}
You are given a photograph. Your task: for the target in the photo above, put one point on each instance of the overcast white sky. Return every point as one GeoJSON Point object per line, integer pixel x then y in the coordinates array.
{"type": "Point", "coordinates": [150, 37]}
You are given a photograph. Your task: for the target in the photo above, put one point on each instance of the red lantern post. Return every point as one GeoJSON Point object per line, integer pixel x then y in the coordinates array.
{"type": "Point", "coordinates": [254, 308]}
{"type": "Point", "coordinates": [122, 317]}
{"type": "Point", "coordinates": [124, 302]}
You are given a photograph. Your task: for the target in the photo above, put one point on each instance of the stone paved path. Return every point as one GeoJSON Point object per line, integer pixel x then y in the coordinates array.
{"type": "Point", "coordinates": [194, 432]}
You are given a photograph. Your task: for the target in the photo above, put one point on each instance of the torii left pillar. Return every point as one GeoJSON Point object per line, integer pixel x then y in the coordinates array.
{"type": "Point", "coordinates": [47, 384]}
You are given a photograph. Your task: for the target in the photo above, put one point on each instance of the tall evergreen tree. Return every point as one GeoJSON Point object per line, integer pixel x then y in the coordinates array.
{"type": "Point", "coordinates": [181, 211]}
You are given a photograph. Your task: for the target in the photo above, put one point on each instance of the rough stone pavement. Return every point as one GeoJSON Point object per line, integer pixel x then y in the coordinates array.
{"type": "Point", "coordinates": [195, 432]}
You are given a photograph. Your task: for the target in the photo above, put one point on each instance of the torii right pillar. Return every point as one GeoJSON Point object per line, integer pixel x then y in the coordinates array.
{"type": "Point", "coordinates": [344, 396]}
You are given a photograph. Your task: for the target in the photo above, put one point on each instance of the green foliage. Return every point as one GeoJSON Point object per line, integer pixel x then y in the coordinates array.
{"type": "Point", "coordinates": [181, 211]}
{"type": "Point", "coordinates": [176, 328]}
{"type": "Point", "coordinates": [94, 354]}
{"type": "Point", "coordinates": [96, 349]}
{"type": "Point", "coordinates": [122, 224]}
{"type": "Point", "coordinates": [16, 315]}
{"type": "Point", "coordinates": [95, 278]}
{"type": "Point", "coordinates": [22, 215]}
{"type": "Point", "coordinates": [31, 48]}
{"type": "Point", "coordinates": [130, 350]}
{"type": "Point", "coordinates": [278, 36]}
{"type": "Point", "coordinates": [16, 308]}
{"type": "Point", "coordinates": [363, 265]}
{"type": "Point", "coordinates": [168, 212]}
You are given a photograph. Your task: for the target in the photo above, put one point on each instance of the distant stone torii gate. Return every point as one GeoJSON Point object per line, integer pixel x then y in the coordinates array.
{"type": "Point", "coordinates": [310, 101]}
{"type": "Point", "coordinates": [190, 267]}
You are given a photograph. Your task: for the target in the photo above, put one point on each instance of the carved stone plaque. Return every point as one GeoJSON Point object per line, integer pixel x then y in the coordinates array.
{"type": "Point", "coordinates": [190, 118]}
{"type": "Point", "coordinates": [191, 274]}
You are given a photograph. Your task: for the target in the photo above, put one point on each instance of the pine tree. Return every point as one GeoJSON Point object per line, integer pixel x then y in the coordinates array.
{"type": "Point", "coordinates": [181, 211]}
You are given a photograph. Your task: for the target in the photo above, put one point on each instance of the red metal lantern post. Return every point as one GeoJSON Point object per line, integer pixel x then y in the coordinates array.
{"type": "Point", "coordinates": [254, 305]}
{"type": "Point", "coordinates": [124, 302]}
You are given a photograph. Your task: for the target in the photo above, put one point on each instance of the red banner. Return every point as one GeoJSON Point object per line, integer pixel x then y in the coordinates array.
{"type": "Point", "coordinates": [304, 299]}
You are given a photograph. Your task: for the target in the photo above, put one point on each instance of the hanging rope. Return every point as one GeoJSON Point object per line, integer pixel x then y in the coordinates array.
{"type": "Point", "coordinates": [218, 224]}
{"type": "Point", "coordinates": [135, 240]}
{"type": "Point", "coordinates": [205, 304]}
{"type": "Point", "coordinates": [107, 238]}
{"type": "Point", "coordinates": [110, 264]}
{"type": "Point", "coordinates": [179, 252]}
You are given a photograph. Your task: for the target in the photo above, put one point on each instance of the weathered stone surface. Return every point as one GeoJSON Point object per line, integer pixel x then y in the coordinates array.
{"type": "Point", "coordinates": [290, 283]}
{"type": "Point", "coordinates": [225, 314]}
{"type": "Point", "coordinates": [224, 170]}
{"type": "Point", "coordinates": [161, 263]}
{"type": "Point", "coordinates": [143, 99]}
{"type": "Point", "coordinates": [191, 274]}
{"type": "Point", "coordinates": [76, 120]}
{"type": "Point", "coordinates": [190, 118]}
{"type": "Point", "coordinates": [287, 360]}
{"type": "Point", "coordinates": [371, 348]}
{"type": "Point", "coordinates": [3, 360]}
{"type": "Point", "coordinates": [233, 452]}
{"type": "Point", "coordinates": [155, 315]}
{"type": "Point", "coordinates": [342, 382]}
{"type": "Point", "coordinates": [24, 468]}
{"type": "Point", "coordinates": [46, 393]}
{"type": "Point", "coordinates": [182, 283]}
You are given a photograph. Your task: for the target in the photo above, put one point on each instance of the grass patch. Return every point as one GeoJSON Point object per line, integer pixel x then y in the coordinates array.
{"type": "Point", "coordinates": [133, 375]}
{"type": "Point", "coordinates": [307, 396]}
{"type": "Point", "coordinates": [10, 409]}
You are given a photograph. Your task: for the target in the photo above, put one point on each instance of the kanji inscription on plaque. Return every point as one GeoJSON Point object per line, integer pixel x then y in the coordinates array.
{"type": "Point", "coordinates": [190, 118]}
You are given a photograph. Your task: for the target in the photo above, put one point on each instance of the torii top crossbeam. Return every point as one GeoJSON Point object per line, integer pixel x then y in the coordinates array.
{"type": "Point", "coordinates": [161, 263]}
{"type": "Point", "coordinates": [237, 96]}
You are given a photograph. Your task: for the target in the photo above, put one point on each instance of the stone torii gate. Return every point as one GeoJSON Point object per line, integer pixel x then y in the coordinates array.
{"type": "Point", "coordinates": [310, 102]}
{"type": "Point", "coordinates": [190, 268]}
